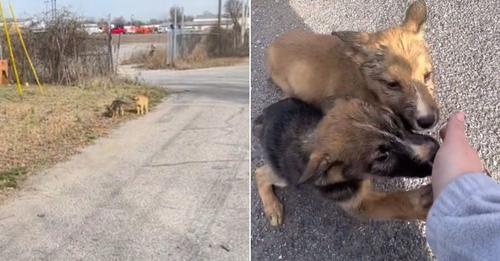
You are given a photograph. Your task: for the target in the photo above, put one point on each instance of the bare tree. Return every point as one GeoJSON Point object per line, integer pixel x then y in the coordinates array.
{"type": "Point", "coordinates": [234, 8]}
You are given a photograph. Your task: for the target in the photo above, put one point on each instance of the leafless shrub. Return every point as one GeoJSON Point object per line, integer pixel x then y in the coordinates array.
{"type": "Point", "coordinates": [220, 43]}
{"type": "Point", "coordinates": [199, 53]}
{"type": "Point", "coordinates": [156, 60]}
{"type": "Point", "coordinates": [137, 57]}
{"type": "Point", "coordinates": [63, 53]}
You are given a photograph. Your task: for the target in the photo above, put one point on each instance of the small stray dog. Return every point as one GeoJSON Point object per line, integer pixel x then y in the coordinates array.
{"type": "Point", "coordinates": [141, 104]}
{"type": "Point", "coordinates": [392, 67]}
{"type": "Point", "coordinates": [339, 152]}
{"type": "Point", "coordinates": [116, 108]}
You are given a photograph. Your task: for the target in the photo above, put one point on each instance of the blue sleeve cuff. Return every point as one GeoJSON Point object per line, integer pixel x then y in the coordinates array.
{"type": "Point", "coordinates": [453, 194]}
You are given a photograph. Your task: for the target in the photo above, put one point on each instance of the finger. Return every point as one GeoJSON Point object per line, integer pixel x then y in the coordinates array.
{"type": "Point", "coordinates": [455, 128]}
{"type": "Point", "coordinates": [442, 131]}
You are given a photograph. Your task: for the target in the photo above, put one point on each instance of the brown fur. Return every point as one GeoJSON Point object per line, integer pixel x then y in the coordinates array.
{"type": "Point", "coordinates": [116, 108]}
{"type": "Point", "coordinates": [403, 205]}
{"type": "Point", "coordinates": [392, 67]}
{"type": "Point", "coordinates": [366, 204]}
{"type": "Point", "coordinates": [344, 152]}
{"type": "Point", "coordinates": [141, 104]}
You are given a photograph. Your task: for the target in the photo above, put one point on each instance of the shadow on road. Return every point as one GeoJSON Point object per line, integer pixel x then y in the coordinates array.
{"type": "Point", "coordinates": [314, 228]}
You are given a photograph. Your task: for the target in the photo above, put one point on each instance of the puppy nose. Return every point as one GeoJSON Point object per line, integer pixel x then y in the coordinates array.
{"type": "Point", "coordinates": [426, 121]}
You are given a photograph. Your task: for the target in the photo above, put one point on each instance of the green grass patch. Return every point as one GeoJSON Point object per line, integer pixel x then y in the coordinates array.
{"type": "Point", "coordinates": [8, 178]}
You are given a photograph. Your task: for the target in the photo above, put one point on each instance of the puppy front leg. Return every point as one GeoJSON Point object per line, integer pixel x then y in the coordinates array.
{"type": "Point", "coordinates": [404, 205]}
{"type": "Point", "coordinates": [265, 179]}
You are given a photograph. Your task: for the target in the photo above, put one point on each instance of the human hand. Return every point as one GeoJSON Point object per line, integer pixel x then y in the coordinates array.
{"type": "Point", "coordinates": [455, 157]}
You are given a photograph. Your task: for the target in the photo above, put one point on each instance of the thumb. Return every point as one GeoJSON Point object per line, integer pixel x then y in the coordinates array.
{"type": "Point", "coordinates": [455, 128]}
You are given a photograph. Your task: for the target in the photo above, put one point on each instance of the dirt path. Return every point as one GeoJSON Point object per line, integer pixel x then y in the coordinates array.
{"type": "Point", "coordinates": [172, 185]}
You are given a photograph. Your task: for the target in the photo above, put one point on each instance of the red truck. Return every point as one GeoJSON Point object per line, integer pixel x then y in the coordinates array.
{"type": "Point", "coordinates": [118, 30]}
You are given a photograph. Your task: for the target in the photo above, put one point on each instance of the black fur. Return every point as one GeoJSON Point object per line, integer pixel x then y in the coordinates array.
{"type": "Point", "coordinates": [285, 130]}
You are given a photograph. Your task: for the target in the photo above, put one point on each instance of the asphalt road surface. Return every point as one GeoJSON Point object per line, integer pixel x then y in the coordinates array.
{"type": "Point", "coordinates": [463, 37]}
{"type": "Point", "coordinates": [172, 185]}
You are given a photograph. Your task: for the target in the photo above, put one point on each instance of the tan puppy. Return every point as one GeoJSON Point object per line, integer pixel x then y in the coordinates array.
{"type": "Point", "coordinates": [392, 67]}
{"type": "Point", "coordinates": [141, 104]}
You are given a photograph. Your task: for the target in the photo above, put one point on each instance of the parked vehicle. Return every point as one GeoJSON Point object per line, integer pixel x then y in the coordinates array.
{"type": "Point", "coordinates": [118, 30]}
{"type": "Point", "coordinates": [143, 30]}
{"type": "Point", "coordinates": [92, 29]}
{"type": "Point", "coordinates": [163, 29]}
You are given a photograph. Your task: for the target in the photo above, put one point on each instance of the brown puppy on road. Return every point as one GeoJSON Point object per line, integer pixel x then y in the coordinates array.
{"type": "Point", "coordinates": [391, 67]}
{"type": "Point", "coordinates": [339, 153]}
{"type": "Point", "coordinates": [141, 104]}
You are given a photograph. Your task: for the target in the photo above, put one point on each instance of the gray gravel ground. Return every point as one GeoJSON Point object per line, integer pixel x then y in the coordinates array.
{"type": "Point", "coordinates": [464, 40]}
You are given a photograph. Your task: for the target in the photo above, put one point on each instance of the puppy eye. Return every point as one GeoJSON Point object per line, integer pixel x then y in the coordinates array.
{"type": "Point", "coordinates": [395, 86]}
{"type": "Point", "coordinates": [427, 77]}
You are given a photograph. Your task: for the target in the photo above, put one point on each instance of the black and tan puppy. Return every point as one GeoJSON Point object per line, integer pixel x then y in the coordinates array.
{"type": "Point", "coordinates": [116, 108]}
{"type": "Point", "coordinates": [339, 153]}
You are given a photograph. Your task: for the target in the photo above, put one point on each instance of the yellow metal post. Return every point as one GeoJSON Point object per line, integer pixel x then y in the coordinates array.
{"type": "Point", "coordinates": [21, 39]}
{"type": "Point", "coordinates": [11, 52]}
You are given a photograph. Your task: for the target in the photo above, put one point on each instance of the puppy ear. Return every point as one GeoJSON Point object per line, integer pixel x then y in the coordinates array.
{"type": "Point", "coordinates": [318, 163]}
{"type": "Point", "coordinates": [415, 17]}
{"type": "Point", "coordinates": [359, 45]}
{"type": "Point", "coordinates": [333, 175]}
{"type": "Point", "coordinates": [351, 37]}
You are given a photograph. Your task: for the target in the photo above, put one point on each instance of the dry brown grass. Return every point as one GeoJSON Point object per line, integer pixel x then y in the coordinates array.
{"type": "Point", "coordinates": [210, 62]}
{"type": "Point", "coordinates": [138, 57]}
{"type": "Point", "coordinates": [199, 58]}
{"type": "Point", "coordinates": [147, 60]}
{"type": "Point", "coordinates": [156, 61]}
{"type": "Point", "coordinates": [39, 130]}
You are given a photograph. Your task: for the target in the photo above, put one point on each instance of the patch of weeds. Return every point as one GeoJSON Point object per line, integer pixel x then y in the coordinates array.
{"type": "Point", "coordinates": [8, 179]}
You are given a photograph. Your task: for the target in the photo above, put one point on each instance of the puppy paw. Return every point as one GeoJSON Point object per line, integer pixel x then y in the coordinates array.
{"type": "Point", "coordinates": [274, 212]}
{"type": "Point", "coordinates": [422, 200]}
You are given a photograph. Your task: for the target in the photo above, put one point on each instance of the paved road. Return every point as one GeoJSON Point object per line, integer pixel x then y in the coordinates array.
{"type": "Point", "coordinates": [463, 38]}
{"type": "Point", "coordinates": [172, 185]}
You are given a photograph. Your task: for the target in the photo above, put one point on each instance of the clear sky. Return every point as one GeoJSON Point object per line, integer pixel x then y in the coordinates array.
{"type": "Point", "coordinates": [140, 9]}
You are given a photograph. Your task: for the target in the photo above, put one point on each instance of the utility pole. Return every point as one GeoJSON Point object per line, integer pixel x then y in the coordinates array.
{"type": "Point", "coordinates": [110, 48]}
{"type": "Point", "coordinates": [46, 2]}
{"type": "Point", "coordinates": [182, 18]}
{"type": "Point", "coordinates": [182, 33]}
{"type": "Point", "coordinates": [53, 8]}
{"type": "Point", "coordinates": [220, 12]}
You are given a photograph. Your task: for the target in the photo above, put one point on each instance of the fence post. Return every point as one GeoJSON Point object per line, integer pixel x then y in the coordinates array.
{"type": "Point", "coordinates": [110, 48]}
{"type": "Point", "coordinates": [174, 54]}
{"type": "Point", "coordinates": [168, 40]}
{"type": "Point", "coordinates": [182, 35]}
{"type": "Point", "coordinates": [117, 51]}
